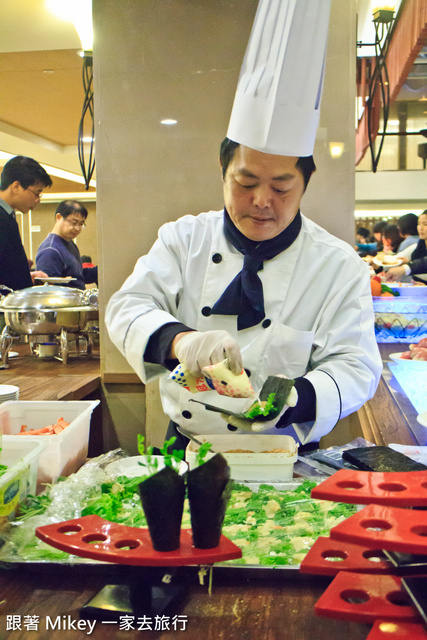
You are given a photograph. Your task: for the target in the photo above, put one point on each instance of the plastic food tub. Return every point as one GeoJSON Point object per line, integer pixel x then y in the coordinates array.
{"type": "Point", "coordinates": [65, 452]}
{"type": "Point", "coordinates": [400, 319]}
{"type": "Point", "coordinates": [257, 461]}
{"type": "Point", "coordinates": [20, 479]}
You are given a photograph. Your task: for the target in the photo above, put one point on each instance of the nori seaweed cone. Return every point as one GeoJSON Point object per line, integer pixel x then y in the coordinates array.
{"type": "Point", "coordinates": [209, 490]}
{"type": "Point", "coordinates": [162, 496]}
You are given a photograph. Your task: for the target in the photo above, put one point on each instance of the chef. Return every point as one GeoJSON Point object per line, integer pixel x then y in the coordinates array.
{"type": "Point", "coordinates": [258, 282]}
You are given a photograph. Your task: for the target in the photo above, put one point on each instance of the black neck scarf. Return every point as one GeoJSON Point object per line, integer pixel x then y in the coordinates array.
{"type": "Point", "coordinates": [244, 296]}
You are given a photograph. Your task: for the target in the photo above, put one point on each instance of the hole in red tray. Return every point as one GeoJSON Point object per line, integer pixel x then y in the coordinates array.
{"type": "Point", "coordinates": [70, 530]}
{"type": "Point", "coordinates": [349, 484]}
{"type": "Point", "coordinates": [93, 538]}
{"type": "Point", "coordinates": [127, 545]}
{"type": "Point", "coordinates": [392, 486]}
{"type": "Point", "coordinates": [333, 555]}
{"type": "Point", "coordinates": [354, 596]}
{"type": "Point", "coordinates": [374, 555]}
{"type": "Point", "coordinates": [419, 530]}
{"type": "Point", "coordinates": [399, 598]}
{"type": "Point", "coordinates": [375, 525]}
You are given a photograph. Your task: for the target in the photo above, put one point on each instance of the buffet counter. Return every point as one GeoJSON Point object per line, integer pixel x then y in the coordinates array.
{"type": "Point", "coordinates": [44, 379]}
{"type": "Point", "coordinates": [44, 601]}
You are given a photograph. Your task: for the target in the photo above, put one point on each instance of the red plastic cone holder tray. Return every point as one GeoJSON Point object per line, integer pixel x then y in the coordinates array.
{"type": "Point", "coordinates": [363, 597]}
{"type": "Point", "coordinates": [96, 538]}
{"type": "Point", "coordinates": [328, 557]}
{"type": "Point", "coordinates": [387, 528]}
{"type": "Point", "coordinates": [394, 488]}
{"type": "Point", "coordinates": [386, 630]}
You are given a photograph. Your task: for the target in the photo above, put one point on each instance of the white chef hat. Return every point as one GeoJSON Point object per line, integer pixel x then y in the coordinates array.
{"type": "Point", "coordinates": [276, 107]}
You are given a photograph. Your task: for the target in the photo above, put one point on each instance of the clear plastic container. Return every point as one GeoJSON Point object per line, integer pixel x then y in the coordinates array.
{"type": "Point", "coordinates": [65, 452]}
{"type": "Point", "coordinates": [20, 479]}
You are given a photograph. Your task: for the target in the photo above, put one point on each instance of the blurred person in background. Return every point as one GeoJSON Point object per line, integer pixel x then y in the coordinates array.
{"type": "Point", "coordinates": [22, 183]}
{"type": "Point", "coordinates": [416, 265]}
{"type": "Point", "coordinates": [58, 254]}
{"type": "Point", "coordinates": [391, 238]}
{"type": "Point", "coordinates": [364, 242]}
{"type": "Point", "coordinates": [378, 233]}
{"type": "Point", "coordinates": [407, 225]}
{"type": "Point", "coordinates": [86, 262]}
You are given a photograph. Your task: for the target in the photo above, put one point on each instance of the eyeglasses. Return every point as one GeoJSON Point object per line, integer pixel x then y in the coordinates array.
{"type": "Point", "coordinates": [38, 195]}
{"type": "Point", "coordinates": [75, 225]}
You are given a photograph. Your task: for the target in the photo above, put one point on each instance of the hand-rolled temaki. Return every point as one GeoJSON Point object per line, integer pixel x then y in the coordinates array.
{"type": "Point", "coordinates": [162, 497]}
{"type": "Point", "coordinates": [209, 490]}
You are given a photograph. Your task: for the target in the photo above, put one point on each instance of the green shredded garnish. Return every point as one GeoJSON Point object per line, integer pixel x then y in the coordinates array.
{"type": "Point", "coordinates": [258, 409]}
{"type": "Point", "coordinates": [202, 453]}
{"type": "Point", "coordinates": [170, 459]}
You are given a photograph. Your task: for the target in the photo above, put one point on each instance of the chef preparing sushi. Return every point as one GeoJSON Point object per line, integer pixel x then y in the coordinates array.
{"type": "Point", "coordinates": [253, 288]}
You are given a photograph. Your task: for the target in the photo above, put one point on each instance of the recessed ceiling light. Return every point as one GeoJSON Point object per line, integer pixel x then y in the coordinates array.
{"type": "Point", "coordinates": [47, 71]}
{"type": "Point", "coordinates": [168, 121]}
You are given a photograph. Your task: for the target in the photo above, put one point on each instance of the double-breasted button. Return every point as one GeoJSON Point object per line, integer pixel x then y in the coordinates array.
{"type": "Point", "coordinates": [230, 427]}
{"type": "Point", "coordinates": [217, 257]}
{"type": "Point", "coordinates": [266, 323]}
{"type": "Point", "coordinates": [206, 311]}
{"type": "Point", "coordinates": [187, 414]}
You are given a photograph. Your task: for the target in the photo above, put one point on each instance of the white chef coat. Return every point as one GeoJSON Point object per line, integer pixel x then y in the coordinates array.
{"type": "Point", "coordinates": [319, 318]}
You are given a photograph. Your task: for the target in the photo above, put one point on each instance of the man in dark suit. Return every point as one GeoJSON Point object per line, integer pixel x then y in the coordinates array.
{"type": "Point", "coordinates": [21, 185]}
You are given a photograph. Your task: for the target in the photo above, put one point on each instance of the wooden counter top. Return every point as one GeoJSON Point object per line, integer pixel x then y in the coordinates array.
{"type": "Point", "coordinates": [40, 379]}
{"type": "Point", "coordinates": [389, 417]}
{"type": "Point", "coordinates": [236, 609]}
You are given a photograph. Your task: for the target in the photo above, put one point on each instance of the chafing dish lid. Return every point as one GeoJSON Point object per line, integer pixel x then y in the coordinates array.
{"type": "Point", "coordinates": [44, 297]}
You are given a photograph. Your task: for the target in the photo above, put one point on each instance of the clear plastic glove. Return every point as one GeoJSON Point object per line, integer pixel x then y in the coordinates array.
{"type": "Point", "coordinates": [258, 426]}
{"type": "Point", "coordinates": [197, 349]}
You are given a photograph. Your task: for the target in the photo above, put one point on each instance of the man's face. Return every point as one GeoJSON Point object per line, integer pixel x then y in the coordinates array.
{"type": "Point", "coordinates": [26, 199]}
{"type": "Point", "coordinates": [70, 227]}
{"type": "Point", "coordinates": [262, 192]}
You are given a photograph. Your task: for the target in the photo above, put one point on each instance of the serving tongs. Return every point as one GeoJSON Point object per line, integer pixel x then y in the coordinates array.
{"type": "Point", "coordinates": [278, 385]}
{"type": "Point", "coordinates": [190, 436]}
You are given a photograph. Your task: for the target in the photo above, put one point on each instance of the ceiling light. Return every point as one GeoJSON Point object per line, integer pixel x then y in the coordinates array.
{"type": "Point", "coordinates": [79, 12]}
{"type": "Point", "coordinates": [336, 149]}
{"type": "Point", "coordinates": [168, 121]}
{"type": "Point", "coordinates": [66, 175]}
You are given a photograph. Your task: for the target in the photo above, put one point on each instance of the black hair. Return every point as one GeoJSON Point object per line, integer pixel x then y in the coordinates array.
{"type": "Point", "coordinates": [408, 224]}
{"type": "Point", "coordinates": [228, 148]}
{"type": "Point", "coordinates": [391, 232]}
{"type": "Point", "coordinates": [67, 207]}
{"type": "Point", "coordinates": [26, 171]}
{"type": "Point", "coordinates": [362, 231]}
{"type": "Point", "coordinates": [379, 226]}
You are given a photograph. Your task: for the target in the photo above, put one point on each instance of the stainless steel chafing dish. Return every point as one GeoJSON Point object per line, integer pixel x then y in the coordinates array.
{"type": "Point", "coordinates": [46, 315]}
